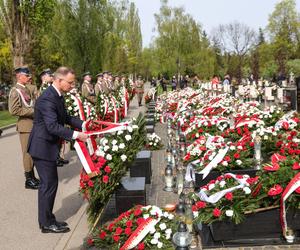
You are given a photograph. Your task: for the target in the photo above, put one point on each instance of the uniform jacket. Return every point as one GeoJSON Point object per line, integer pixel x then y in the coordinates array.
{"type": "Point", "coordinates": [87, 91]}
{"type": "Point", "coordinates": [22, 107]}
{"type": "Point", "coordinates": [48, 126]}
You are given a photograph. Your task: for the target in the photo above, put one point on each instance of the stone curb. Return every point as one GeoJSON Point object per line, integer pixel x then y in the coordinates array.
{"type": "Point", "coordinates": [67, 238]}
{"type": "Point", "coordinates": [8, 126]}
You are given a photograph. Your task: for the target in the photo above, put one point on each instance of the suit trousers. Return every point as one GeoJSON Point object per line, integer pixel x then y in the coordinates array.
{"type": "Point", "coordinates": [47, 171]}
{"type": "Point", "coordinates": [27, 160]}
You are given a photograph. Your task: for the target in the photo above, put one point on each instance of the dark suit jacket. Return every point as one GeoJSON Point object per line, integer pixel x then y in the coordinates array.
{"type": "Point", "coordinates": [50, 116]}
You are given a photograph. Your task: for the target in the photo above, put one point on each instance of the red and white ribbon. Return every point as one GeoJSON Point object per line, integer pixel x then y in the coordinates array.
{"type": "Point", "coordinates": [140, 233]}
{"type": "Point", "coordinates": [79, 105]}
{"type": "Point", "coordinates": [291, 187]}
{"type": "Point", "coordinates": [84, 153]}
{"type": "Point", "coordinates": [115, 109]}
{"type": "Point", "coordinates": [30, 105]}
{"type": "Point", "coordinates": [214, 198]}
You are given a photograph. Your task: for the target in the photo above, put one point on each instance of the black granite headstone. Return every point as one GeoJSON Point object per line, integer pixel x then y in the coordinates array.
{"type": "Point", "coordinates": [131, 192]}
{"type": "Point", "coordinates": [141, 167]}
{"type": "Point", "coordinates": [149, 129]}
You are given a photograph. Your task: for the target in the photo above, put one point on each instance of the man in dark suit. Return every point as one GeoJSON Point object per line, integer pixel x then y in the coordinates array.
{"type": "Point", "coordinates": [48, 130]}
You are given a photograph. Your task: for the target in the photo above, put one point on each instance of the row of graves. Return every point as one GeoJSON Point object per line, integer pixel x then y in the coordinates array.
{"type": "Point", "coordinates": [282, 93]}
{"type": "Point", "coordinates": [233, 163]}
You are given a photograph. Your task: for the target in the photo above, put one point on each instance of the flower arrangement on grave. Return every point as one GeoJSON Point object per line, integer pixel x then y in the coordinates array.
{"type": "Point", "coordinates": [115, 152]}
{"type": "Point", "coordinates": [153, 142]}
{"type": "Point", "coordinates": [227, 197]}
{"type": "Point", "coordinates": [142, 227]}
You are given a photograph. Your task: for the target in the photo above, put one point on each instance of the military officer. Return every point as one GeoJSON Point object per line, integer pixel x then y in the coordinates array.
{"type": "Point", "coordinates": [100, 86]}
{"type": "Point", "coordinates": [46, 77]}
{"type": "Point", "coordinates": [87, 89]}
{"type": "Point", "coordinates": [21, 105]}
{"type": "Point", "coordinates": [139, 88]}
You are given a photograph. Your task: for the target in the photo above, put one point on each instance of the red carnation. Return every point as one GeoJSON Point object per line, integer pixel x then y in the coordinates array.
{"type": "Point", "coordinates": [119, 230]}
{"type": "Point", "coordinates": [110, 227]}
{"type": "Point", "coordinates": [217, 212]}
{"type": "Point", "coordinates": [102, 235]}
{"type": "Point", "coordinates": [105, 179]}
{"type": "Point", "coordinates": [220, 178]}
{"type": "Point", "coordinates": [227, 176]}
{"type": "Point", "coordinates": [187, 157]}
{"type": "Point", "coordinates": [116, 238]}
{"type": "Point", "coordinates": [140, 220]}
{"type": "Point", "coordinates": [90, 183]}
{"type": "Point", "coordinates": [141, 246]}
{"type": "Point", "coordinates": [200, 204]}
{"type": "Point", "coordinates": [296, 166]}
{"type": "Point", "coordinates": [273, 167]}
{"type": "Point", "coordinates": [227, 158]}
{"type": "Point", "coordinates": [252, 180]}
{"type": "Point", "coordinates": [129, 223]}
{"type": "Point", "coordinates": [277, 189]}
{"type": "Point", "coordinates": [236, 155]}
{"type": "Point", "coordinates": [252, 144]}
{"type": "Point", "coordinates": [107, 169]}
{"type": "Point", "coordinates": [98, 165]}
{"type": "Point", "coordinates": [127, 231]}
{"type": "Point", "coordinates": [82, 185]}
{"type": "Point", "coordinates": [101, 160]}
{"type": "Point", "coordinates": [285, 125]}
{"type": "Point", "coordinates": [90, 241]}
{"type": "Point", "coordinates": [137, 212]}
{"type": "Point", "coordinates": [239, 176]}
{"type": "Point", "coordinates": [229, 196]}
{"type": "Point", "coordinates": [194, 208]}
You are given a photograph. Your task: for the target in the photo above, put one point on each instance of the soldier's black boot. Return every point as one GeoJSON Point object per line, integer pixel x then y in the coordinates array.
{"type": "Point", "coordinates": [30, 183]}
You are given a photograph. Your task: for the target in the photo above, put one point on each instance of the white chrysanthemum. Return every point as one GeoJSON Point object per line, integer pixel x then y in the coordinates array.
{"type": "Point", "coordinates": [239, 162]}
{"type": "Point", "coordinates": [108, 157]}
{"type": "Point", "coordinates": [225, 163]}
{"type": "Point", "coordinates": [159, 244]}
{"type": "Point", "coordinates": [154, 241]}
{"type": "Point", "coordinates": [129, 128]}
{"type": "Point", "coordinates": [168, 231]}
{"type": "Point", "coordinates": [120, 132]}
{"type": "Point", "coordinates": [115, 148]}
{"type": "Point", "coordinates": [163, 226]}
{"type": "Point", "coordinates": [123, 157]}
{"type": "Point", "coordinates": [229, 213]}
{"type": "Point", "coordinates": [156, 235]}
{"type": "Point", "coordinates": [114, 142]}
{"type": "Point", "coordinates": [106, 148]}
{"type": "Point", "coordinates": [247, 190]}
{"type": "Point", "coordinates": [135, 126]}
{"type": "Point", "coordinates": [222, 183]}
{"type": "Point", "coordinates": [122, 145]}
{"type": "Point", "coordinates": [128, 137]}
{"type": "Point", "coordinates": [70, 108]}
{"type": "Point", "coordinates": [171, 216]}
{"type": "Point", "coordinates": [152, 230]}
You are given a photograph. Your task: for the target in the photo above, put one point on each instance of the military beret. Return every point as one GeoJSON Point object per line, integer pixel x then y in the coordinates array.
{"type": "Point", "coordinates": [22, 70]}
{"type": "Point", "coordinates": [86, 74]}
{"type": "Point", "coordinates": [46, 71]}
{"type": "Point", "coordinates": [99, 75]}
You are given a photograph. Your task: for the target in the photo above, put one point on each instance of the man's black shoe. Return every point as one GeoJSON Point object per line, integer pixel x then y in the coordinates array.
{"type": "Point", "coordinates": [63, 160]}
{"type": "Point", "coordinates": [59, 163]}
{"type": "Point", "coordinates": [54, 229]}
{"type": "Point", "coordinates": [61, 223]}
{"type": "Point", "coordinates": [1, 131]}
{"type": "Point", "coordinates": [31, 184]}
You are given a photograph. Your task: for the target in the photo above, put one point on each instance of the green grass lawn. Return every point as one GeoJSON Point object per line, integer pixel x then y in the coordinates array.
{"type": "Point", "coordinates": [6, 118]}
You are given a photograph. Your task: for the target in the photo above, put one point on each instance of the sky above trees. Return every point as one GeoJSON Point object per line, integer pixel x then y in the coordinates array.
{"type": "Point", "coordinates": [209, 14]}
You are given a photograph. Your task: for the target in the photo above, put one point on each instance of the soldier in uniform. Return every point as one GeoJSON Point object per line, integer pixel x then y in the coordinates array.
{"type": "Point", "coordinates": [87, 89]}
{"type": "Point", "coordinates": [21, 105]}
{"type": "Point", "coordinates": [139, 88]}
{"type": "Point", "coordinates": [46, 77]}
{"type": "Point", "coordinates": [100, 87]}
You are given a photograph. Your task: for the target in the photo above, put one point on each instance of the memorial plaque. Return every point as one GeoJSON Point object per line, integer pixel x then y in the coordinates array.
{"type": "Point", "coordinates": [142, 167]}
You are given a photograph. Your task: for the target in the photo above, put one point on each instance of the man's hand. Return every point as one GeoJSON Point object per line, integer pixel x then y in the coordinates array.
{"type": "Point", "coordinates": [82, 136]}
{"type": "Point", "coordinates": [93, 125]}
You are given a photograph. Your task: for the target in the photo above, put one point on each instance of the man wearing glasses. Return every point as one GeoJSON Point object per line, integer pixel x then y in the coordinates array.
{"type": "Point", "coordinates": [21, 105]}
{"type": "Point", "coordinates": [48, 130]}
